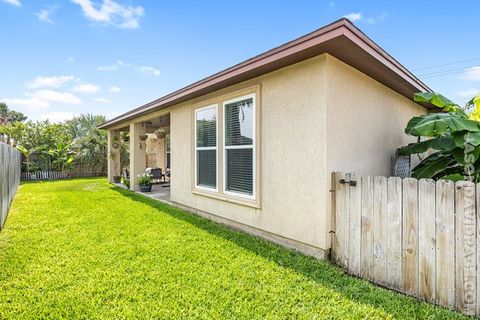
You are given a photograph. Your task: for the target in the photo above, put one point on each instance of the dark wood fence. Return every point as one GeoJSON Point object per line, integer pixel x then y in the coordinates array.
{"type": "Point", "coordinates": [10, 164]}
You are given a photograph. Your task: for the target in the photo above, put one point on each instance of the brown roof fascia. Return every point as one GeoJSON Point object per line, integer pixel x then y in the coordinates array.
{"type": "Point", "coordinates": [329, 39]}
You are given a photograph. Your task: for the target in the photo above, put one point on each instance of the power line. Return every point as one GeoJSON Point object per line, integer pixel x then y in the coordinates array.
{"type": "Point", "coordinates": [442, 74]}
{"type": "Point", "coordinates": [446, 64]}
{"type": "Point", "coordinates": [444, 71]}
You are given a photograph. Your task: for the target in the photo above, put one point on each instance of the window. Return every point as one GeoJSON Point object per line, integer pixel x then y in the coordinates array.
{"type": "Point", "coordinates": [167, 142]}
{"type": "Point", "coordinates": [206, 147]}
{"type": "Point", "coordinates": [239, 146]}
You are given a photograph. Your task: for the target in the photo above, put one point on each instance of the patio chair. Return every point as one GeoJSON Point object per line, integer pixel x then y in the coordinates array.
{"type": "Point", "coordinates": [157, 175]}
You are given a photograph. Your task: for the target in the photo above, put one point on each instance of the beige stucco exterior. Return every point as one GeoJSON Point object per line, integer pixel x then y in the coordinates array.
{"type": "Point", "coordinates": [315, 117]}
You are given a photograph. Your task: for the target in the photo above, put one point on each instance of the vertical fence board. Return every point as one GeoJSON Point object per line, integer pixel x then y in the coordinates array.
{"type": "Point", "coordinates": [341, 220]}
{"type": "Point", "coordinates": [426, 239]}
{"type": "Point", "coordinates": [394, 233]}
{"type": "Point", "coordinates": [477, 213]}
{"type": "Point", "coordinates": [445, 244]}
{"type": "Point", "coordinates": [379, 229]}
{"type": "Point", "coordinates": [367, 228]}
{"type": "Point", "coordinates": [465, 247]}
{"type": "Point", "coordinates": [410, 236]}
{"type": "Point", "coordinates": [417, 237]}
{"type": "Point", "coordinates": [355, 207]}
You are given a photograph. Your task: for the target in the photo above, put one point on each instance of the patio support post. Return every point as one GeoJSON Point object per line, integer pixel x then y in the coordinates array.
{"type": "Point", "coordinates": [137, 153]}
{"type": "Point", "coordinates": [113, 152]}
{"type": "Point", "coordinates": [161, 153]}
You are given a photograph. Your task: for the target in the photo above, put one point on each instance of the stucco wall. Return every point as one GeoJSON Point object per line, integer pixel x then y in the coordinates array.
{"type": "Point", "coordinates": [293, 156]}
{"type": "Point", "coordinates": [317, 116]}
{"type": "Point", "coordinates": [365, 122]}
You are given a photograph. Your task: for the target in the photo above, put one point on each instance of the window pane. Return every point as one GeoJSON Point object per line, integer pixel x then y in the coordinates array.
{"type": "Point", "coordinates": [207, 168]}
{"type": "Point", "coordinates": [239, 170]}
{"type": "Point", "coordinates": [239, 123]}
{"type": "Point", "coordinates": [207, 128]}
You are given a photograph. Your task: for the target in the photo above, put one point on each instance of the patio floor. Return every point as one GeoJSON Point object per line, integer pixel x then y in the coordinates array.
{"type": "Point", "coordinates": [159, 191]}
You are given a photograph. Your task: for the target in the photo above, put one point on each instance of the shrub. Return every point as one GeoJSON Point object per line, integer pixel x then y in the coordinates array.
{"type": "Point", "coordinates": [144, 179]}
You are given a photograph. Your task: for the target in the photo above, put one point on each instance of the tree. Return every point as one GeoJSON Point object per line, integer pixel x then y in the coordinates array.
{"type": "Point", "coordinates": [89, 143]}
{"type": "Point", "coordinates": [452, 137]}
{"type": "Point", "coordinates": [10, 116]}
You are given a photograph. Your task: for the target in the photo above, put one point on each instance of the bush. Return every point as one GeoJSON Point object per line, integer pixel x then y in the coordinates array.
{"type": "Point", "coordinates": [144, 179]}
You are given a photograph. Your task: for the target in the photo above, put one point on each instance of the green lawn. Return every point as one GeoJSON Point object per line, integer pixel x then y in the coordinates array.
{"type": "Point", "coordinates": [84, 249]}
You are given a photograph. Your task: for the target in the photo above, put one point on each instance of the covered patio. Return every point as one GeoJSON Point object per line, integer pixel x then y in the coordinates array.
{"type": "Point", "coordinates": [148, 151]}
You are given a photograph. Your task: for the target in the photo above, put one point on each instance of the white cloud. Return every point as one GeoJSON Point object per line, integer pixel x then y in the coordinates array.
{"type": "Point", "coordinates": [55, 96]}
{"type": "Point", "coordinates": [57, 116]}
{"type": "Point", "coordinates": [358, 16]}
{"type": "Point", "coordinates": [114, 89]}
{"type": "Point", "coordinates": [142, 69]}
{"type": "Point", "coordinates": [50, 82]}
{"type": "Point", "coordinates": [71, 59]}
{"type": "Point", "coordinates": [30, 103]}
{"type": "Point", "coordinates": [42, 99]}
{"type": "Point", "coordinates": [149, 70]}
{"type": "Point", "coordinates": [468, 93]}
{"type": "Point", "coordinates": [45, 14]}
{"type": "Point", "coordinates": [103, 100]}
{"type": "Point", "coordinates": [14, 2]}
{"type": "Point", "coordinates": [107, 68]}
{"type": "Point", "coordinates": [472, 73]}
{"type": "Point", "coordinates": [354, 16]}
{"type": "Point", "coordinates": [109, 12]}
{"type": "Point", "coordinates": [138, 68]}
{"type": "Point", "coordinates": [87, 88]}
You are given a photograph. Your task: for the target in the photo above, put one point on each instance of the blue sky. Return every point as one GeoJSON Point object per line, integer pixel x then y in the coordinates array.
{"type": "Point", "coordinates": [66, 57]}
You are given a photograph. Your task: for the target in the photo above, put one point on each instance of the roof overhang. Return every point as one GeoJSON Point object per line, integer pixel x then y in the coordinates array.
{"type": "Point", "coordinates": [340, 39]}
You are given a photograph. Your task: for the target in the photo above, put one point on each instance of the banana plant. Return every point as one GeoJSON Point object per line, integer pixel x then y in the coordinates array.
{"type": "Point", "coordinates": [451, 138]}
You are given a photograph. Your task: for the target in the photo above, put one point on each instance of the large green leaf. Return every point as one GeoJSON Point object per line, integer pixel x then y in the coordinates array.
{"type": "Point", "coordinates": [434, 98]}
{"type": "Point", "coordinates": [433, 165]}
{"type": "Point", "coordinates": [473, 138]}
{"type": "Point", "coordinates": [454, 177]}
{"type": "Point", "coordinates": [439, 101]}
{"type": "Point", "coordinates": [436, 124]}
{"type": "Point", "coordinates": [462, 156]}
{"type": "Point", "coordinates": [446, 143]}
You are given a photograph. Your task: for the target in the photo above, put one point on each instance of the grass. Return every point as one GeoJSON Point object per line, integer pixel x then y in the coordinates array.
{"type": "Point", "coordinates": [84, 249]}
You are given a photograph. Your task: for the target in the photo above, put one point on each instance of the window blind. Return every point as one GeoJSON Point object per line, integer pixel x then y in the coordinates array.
{"type": "Point", "coordinates": [206, 147]}
{"type": "Point", "coordinates": [239, 142]}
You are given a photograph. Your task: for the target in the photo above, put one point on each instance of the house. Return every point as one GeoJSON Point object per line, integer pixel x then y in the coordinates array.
{"type": "Point", "coordinates": [254, 146]}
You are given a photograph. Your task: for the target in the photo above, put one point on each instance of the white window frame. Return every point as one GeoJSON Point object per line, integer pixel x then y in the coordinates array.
{"type": "Point", "coordinates": [253, 146]}
{"type": "Point", "coordinates": [207, 148]}
{"type": "Point", "coordinates": [167, 152]}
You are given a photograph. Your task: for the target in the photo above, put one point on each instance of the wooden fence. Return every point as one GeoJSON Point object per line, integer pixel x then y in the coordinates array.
{"type": "Point", "coordinates": [77, 171]}
{"type": "Point", "coordinates": [419, 237]}
{"type": "Point", "coordinates": [10, 163]}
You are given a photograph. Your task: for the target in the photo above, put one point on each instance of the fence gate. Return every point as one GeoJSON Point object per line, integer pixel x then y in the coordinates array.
{"type": "Point", "coordinates": [419, 237]}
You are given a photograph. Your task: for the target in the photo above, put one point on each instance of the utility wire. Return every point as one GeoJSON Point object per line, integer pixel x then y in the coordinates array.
{"type": "Point", "coordinates": [446, 64]}
{"type": "Point", "coordinates": [443, 71]}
